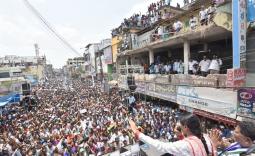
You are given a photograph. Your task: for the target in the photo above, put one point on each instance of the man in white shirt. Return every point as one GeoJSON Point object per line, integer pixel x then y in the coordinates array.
{"type": "Point", "coordinates": [167, 68]}
{"type": "Point", "coordinates": [215, 65]}
{"type": "Point", "coordinates": [177, 26]}
{"type": "Point", "coordinates": [160, 31]}
{"type": "Point", "coordinates": [156, 68]}
{"type": "Point", "coordinates": [193, 22]}
{"type": "Point", "coordinates": [203, 16]}
{"type": "Point", "coordinates": [176, 66]}
{"type": "Point", "coordinates": [192, 69]}
{"type": "Point", "coordinates": [204, 66]}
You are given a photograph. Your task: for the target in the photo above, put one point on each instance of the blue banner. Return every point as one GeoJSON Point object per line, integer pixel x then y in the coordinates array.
{"type": "Point", "coordinates": [11, 98]}
{"type": "Point", "coordinates": [251, 10]}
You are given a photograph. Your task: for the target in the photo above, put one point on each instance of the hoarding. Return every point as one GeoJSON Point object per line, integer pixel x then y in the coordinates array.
{"type": "Point", "coordinates": [246, 102]}
{"type": "Point", "coordinates": [218, 101]}
{"type": "Point", "coordinates": [236, 77]}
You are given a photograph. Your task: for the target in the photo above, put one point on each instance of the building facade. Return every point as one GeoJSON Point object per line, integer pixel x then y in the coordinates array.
{"type": "Point", "coordinates": [181, 38]}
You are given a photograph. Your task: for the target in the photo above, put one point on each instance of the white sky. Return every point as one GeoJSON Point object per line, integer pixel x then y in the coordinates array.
{"type": "Point", "coordinates": [79, 21]}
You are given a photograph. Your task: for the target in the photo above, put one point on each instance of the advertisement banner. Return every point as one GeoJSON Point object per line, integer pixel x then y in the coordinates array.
{"type": "Point", "coordinates": [162, 91]}
{"type": "Point", "coordinates": [236, 77]}
{"type": "Point", "coordinates": [246, 103]}
{"type": "Point", "coordinates": [219, 101]}
{"type": "Point", "coordinates": [251, 10]}
{"type": "Point", "coordinates": [108, 55]}
{"type": "Point", "coordinates": [140, 86]}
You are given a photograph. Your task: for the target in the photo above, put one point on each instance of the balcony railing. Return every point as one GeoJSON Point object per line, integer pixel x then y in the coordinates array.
{"type": "Point", "coordinates": [170, 33]}
{"type": "Point", "coordinates": [212, 80]}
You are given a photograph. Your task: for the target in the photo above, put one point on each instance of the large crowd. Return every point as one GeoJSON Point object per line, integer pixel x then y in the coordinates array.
{"type": "Point", "coordinates": [71, 118]}
{"type": "Point", "coordinates": [76, 119]}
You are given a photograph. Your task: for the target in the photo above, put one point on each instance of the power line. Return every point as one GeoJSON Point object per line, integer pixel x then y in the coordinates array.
{"type": "Point", "coordinates": [50, 28]}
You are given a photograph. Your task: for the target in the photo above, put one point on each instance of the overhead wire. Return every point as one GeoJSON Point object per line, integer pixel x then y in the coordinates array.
{"type": "Point", "coordinates": [50, 27]}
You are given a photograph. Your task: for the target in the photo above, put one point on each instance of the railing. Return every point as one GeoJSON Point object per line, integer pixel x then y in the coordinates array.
{"type": "Point", "coordinates": [155, 37]}
{"type": "Point", "coordinates": [212, 80]}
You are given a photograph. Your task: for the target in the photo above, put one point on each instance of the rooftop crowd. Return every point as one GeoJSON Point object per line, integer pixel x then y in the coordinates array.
{"type": "Point", "coordinates": [71, 118]}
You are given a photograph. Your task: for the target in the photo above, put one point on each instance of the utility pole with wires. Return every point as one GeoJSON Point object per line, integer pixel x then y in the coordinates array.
{"type": "Point", "coordinates": [50, 27]}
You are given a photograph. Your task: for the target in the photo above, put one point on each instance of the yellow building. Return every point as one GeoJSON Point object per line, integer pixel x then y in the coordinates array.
{"type": "Point", "coordinates": [115, 41]}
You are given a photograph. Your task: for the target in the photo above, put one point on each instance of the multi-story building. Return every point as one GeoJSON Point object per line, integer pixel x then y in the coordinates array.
{"type": "Point", "coordinates": [75, 66]}
{"type": "Point", "coordinates": [104, 63]}
{"type": "Point", "coordinates": [90, 58]}
{"type": "Point", "coordinates": [18, 70]}
{"type": "Point", "coordinates": [179, 38]}
{"type": "Point", "coordinates": [29, 65]}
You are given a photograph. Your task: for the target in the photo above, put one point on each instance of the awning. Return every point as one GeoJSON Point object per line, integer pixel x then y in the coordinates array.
{"type": "Point", "coordinates": [215, 117]}
{"type": "Point", "coordinates": [10, 98]}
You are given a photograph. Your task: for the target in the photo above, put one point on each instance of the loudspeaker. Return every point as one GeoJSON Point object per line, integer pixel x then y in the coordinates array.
{"type": "Point", "coordinates": [25, 89]}
{"type": "Point", "coordinates": [131, 83]}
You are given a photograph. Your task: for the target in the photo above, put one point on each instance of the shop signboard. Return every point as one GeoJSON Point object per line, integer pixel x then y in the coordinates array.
{"type": "Point", "coordinates": [108, 55]}
{"type": "Point", "coordinates": [246, 102]}
{"type": "Point", "coordinates": [218, 101]}
{"type": "Point", "coordinates": [140, 86]}
{"type": "Point", "coordinates": [162, 91]}
{"type": "Point", "coordinates": [236, 77]}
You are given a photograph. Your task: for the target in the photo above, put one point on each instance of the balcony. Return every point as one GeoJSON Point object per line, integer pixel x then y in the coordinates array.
{"type": "Point", "coordinates": [218, 26]}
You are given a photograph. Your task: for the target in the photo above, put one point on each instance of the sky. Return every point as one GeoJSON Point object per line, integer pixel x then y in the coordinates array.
{"type": "Point", "coordinates": [80, 22]}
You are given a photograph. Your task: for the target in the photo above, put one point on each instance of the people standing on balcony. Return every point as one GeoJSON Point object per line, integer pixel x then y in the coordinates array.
{"type": "Point", "coordinates": [160, 32]}
{"type": "Point", "coordinates": [204, 66]}
{"type": "Point", "coordinates": [176, 66]}
{"type": "Point", "coordinates": [211, 12]}
{"type": "Point", "coordinates": [161, 68]}
{"type": "Point", "coordinates": [192, 66]}
{"type": "Point", "coordinates": [152, 69]}
{"type": "Point", "coordinates": [177, 26]}
{"type": "Point", "coordinates": [181, 67]}
{"type": "Point", "coordinates": [215, 65]}
{"type": "Point", "coordinates": [185, 2]}
{"type": "Point", "coordinates": [168, 2]}
{"type": "Point", "coordinates": [178, 5]}
{"type": "Point", "coordinates": [203, 16]}
{"type": "Point", "coordinates": [167, 68]}
{"type": "Point", "coordinates": [166, 14]}
{"type": "Point", "coordinates": [156, 68]}
{"type": "Point", "coordinates": [146, 68]}
{"type": "Point", "coordinates": [193, 22]}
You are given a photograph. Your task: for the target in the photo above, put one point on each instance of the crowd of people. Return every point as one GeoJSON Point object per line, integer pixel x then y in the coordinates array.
{"type": "Point", "coordinates": [204, 17]}
{"type": "Point", "coordinates": [145, 20]}
{"type": "Point", "coordinates": [76, 119]}
{"type": "Point", "coordinates": [71, 118]}
{"type": "Point", "coordinates": [203, 68]}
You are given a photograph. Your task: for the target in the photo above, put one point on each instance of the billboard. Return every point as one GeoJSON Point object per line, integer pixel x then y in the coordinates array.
{"type": "Point", "coordinates": [209, 100]}
{"type": "Point", "coordinates": [246, 102]}
{"type": "Point", "coordinates": [236, 77]}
